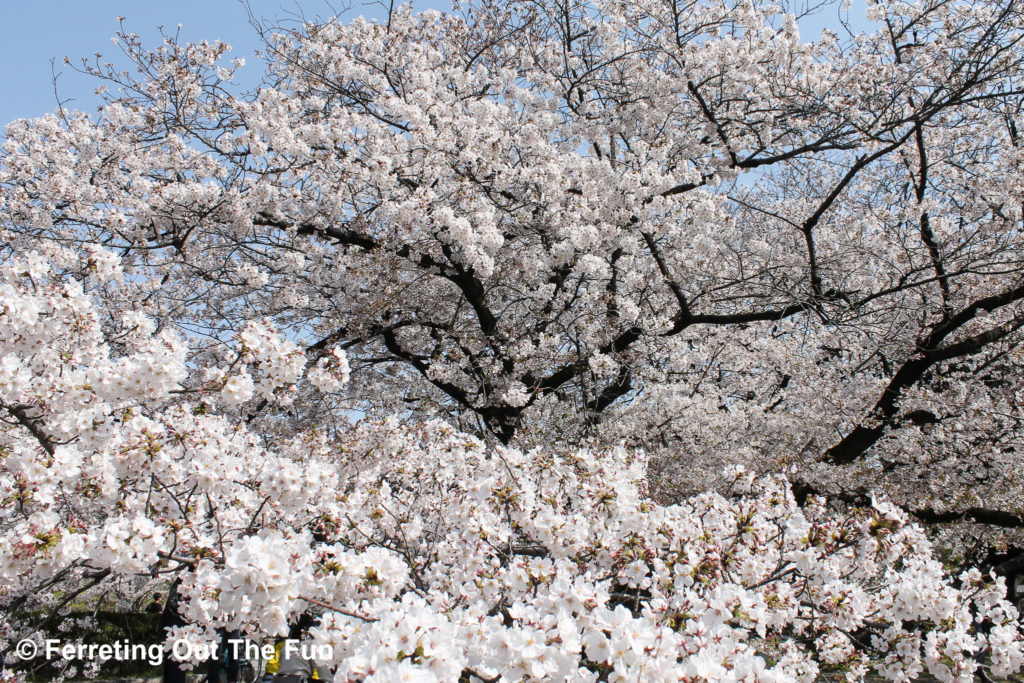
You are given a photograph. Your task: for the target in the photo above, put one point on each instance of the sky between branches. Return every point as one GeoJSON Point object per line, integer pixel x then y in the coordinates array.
{"type": "Point", "coordinates": [36, 36]}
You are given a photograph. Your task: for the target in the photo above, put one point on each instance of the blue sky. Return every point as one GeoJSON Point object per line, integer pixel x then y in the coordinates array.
{"type": "Point", "coordinates": [34, 32]}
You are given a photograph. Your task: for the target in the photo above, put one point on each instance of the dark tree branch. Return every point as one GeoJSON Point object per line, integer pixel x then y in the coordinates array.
{"type": "Point", "coordinates": [930, 352]}
{"type": "Point", "coordinates": [33, 425]}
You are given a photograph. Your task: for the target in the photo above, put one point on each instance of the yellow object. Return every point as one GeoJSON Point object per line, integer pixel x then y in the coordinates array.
{"type": "Point", "coordinates": [274, 663]}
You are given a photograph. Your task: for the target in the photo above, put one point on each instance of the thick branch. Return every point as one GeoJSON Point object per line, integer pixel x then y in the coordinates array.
{"type": "Point", "coordinates": [32, 424]}
{"type": "Point", "coordinates": [930, 352]}
{"type": "Point", "coordinates": [861, 498]}
{"type": "Point", "coordinates": [927, 236]}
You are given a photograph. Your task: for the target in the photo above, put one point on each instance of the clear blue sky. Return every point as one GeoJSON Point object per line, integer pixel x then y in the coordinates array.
{"type": "Point", "coordinates": [34, 32]}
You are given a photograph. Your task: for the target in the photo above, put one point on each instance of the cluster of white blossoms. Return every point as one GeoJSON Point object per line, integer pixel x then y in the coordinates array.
{"type": "Point", "coordinates": [127, 545]}
{"type": "Point", "coordinates": [331, 372]}
{"type": "Point", "coordinates": [558, 567]}
{"type": "Point", "coordinates": [429, 555]}
{"type": "Point", "coordinates": [277, 362]}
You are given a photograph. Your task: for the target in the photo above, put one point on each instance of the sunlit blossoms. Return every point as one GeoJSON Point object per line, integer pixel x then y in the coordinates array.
{"type": "Point", "coordinates": [431, 554]}
{"type": "Point", "coordinates": [625, 341]}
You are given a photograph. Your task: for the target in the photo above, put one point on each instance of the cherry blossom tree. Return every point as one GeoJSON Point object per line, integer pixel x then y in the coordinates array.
{"type": "Point", "coordinates": [530, 340]}
{"type": "Point", "coordinates": [430, 553]}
